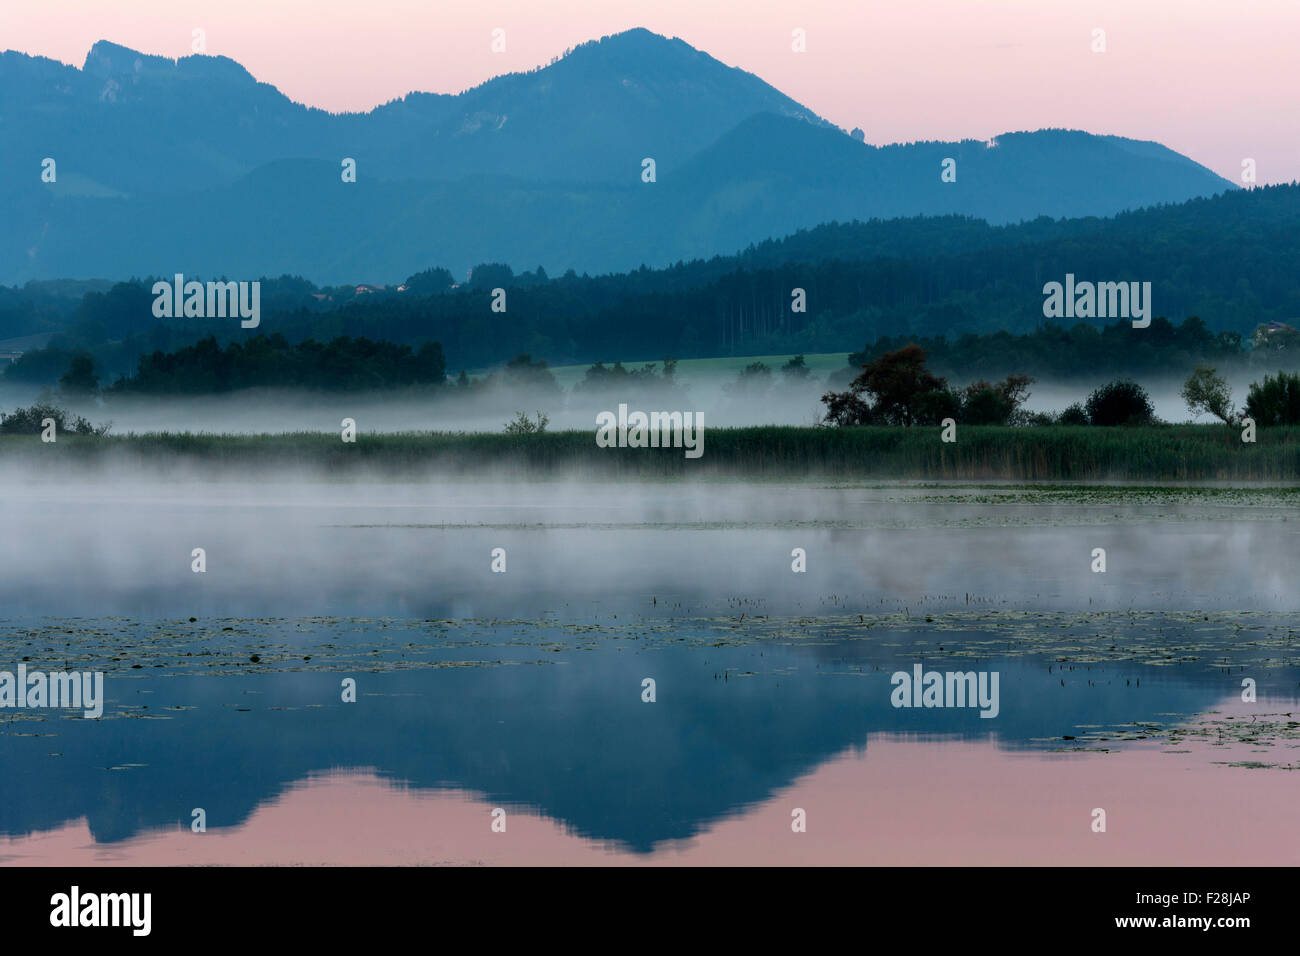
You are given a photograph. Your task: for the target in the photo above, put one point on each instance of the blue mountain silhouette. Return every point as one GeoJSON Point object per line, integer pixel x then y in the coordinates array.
{"type": "Point", "coordinates": [192, 164]}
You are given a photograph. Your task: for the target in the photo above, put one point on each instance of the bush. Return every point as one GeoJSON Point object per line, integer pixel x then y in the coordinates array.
{"type": "Point", "coordinates": [848, 409]}
{"type": "Point", "coordinates": [995, 403]}
{"type": "Point", "coordinates": [1075, 414]}
{"type": "Point", "coordinates": [1037, 419]}
{"type": "Point", "coordinates": [522, 425]}
{"type": "Point", "coordinates": [1121, 402]}
{"type": "Point", "coordinates": [1275, 401]}
{"type": "Point", "coordinates": [30, 421]}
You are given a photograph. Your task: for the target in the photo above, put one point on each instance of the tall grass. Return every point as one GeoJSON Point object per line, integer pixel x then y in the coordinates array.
{"type": "Point", "coordinates": [1165, 452]}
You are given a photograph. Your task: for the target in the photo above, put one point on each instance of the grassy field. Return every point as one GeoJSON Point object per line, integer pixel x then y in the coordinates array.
{"type": "Point", "coordinates": [1055, 453]}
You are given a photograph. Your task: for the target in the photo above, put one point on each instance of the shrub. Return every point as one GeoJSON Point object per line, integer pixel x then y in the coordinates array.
{"type": "Point", "coordinates": [848, 409]}
{"type": "Point", "coordinates": [1037, 419]}
{"type": "Point", "coordinates": [989, 403]}
{"type": "Point", "coordinates": [1074, 414]}
{"type": "Point", "coordinates": [1121, 402]}
{"type": "Point", "coordinates": [1275, 401]}
{"type": "Point", "coordinates": [30, 421]}
{"type": "Point", "coordinates": [523, 425]}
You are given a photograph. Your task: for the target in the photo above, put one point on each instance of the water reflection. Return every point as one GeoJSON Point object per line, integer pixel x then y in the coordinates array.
{"type": "Point", "coordinates": [896, 802]}
{"type": "Point", "coordinates": [453, 720]}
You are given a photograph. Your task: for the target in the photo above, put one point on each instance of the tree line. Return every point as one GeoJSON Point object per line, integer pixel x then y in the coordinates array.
{"type": "Point", "coordinates": [1229, 258]}
{"type": "Point", "coordinates": [898, 388]}
{"type": "Point", "coordinates": [268, 361]}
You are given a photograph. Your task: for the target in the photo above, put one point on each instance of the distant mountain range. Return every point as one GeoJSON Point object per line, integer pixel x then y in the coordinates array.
{"type": "Point", "coordinates": [193, 166]}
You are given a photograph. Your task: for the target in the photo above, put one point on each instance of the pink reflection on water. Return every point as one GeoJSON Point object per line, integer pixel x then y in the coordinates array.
{"type": "Point", "coordinates": [902, 801]}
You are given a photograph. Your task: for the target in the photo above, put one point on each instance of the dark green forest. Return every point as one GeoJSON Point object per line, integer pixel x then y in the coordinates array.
{"type": "Point", "coordinates": [1055, 352]}
{"type": "Point", "coordinates": [270, 361]}
{"type": "Point", "coordinates": [1230, 260]}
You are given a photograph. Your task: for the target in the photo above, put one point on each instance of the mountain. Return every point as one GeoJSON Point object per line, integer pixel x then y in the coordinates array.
{"type": "Point", "coordinates": [192, 165]}
{"type": "Point", "coordinates": [137, 123]}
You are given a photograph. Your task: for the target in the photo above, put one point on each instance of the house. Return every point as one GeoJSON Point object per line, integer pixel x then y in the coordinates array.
{"type": "Point", "coordinates": [1275, 335]}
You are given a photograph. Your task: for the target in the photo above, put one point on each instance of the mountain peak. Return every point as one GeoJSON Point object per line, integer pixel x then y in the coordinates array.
{"type": "Point", "coordinates": [109, 59]}
{"type": "Point", "coordinates": [639, 47]}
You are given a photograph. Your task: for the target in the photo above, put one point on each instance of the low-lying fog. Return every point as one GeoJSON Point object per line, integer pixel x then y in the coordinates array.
{"type": "Point", "coordinates": [488, 409]}
{"type": "Point", "coordinates": [123, 544]}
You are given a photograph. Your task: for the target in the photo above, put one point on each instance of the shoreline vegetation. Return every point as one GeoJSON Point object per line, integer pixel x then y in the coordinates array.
{"type": "Point", "coordinates": [1173, 453]}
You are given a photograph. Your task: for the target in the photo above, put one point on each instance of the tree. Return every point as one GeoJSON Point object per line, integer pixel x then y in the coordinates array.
{"type": "Point", "coordinates": [796, 370]}
{"type": "Point", "coordinates": [80, 380]}
{"type": "Point", "coordinates": [523, 372]}
{"type": "Point", "coordinates": [1206, 392]}
{"type": "Point", "coordinates": [987, 403]}
{"type": "Point", "coordinates": [848, 409]}
{"type": "Point", "coordinates": [934, 406]}
{"type": "Point", "coordinates": [1275, 401]}
{"type": "Point", "coordinates": [491, 275]}
{"type": "Point", "coordinates": [753, 381]}
{"type": "Point", "coordinates": [430, 282]}
{"type": "Point", "coordinates": [901, 386]}
{"type": "Point", "coordinates": [1120, 402]}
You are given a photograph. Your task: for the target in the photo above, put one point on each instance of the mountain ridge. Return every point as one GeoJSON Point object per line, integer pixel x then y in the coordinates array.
{"type": "Point", "coordinates": [543, 166]}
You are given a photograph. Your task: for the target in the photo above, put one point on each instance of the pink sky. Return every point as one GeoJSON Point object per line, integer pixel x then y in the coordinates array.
{"type": "Point", "coordinates": [1210, 78]}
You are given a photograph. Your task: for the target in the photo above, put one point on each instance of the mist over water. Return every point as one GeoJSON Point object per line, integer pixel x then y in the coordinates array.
{"type": "Point", "coordinates": [121, 543]}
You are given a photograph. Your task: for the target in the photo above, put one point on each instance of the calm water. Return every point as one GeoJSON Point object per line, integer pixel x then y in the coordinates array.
{"type": "Point", "coordinates": [523, 691]}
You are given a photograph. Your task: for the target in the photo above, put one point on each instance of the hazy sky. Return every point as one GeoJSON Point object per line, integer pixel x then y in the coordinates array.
{"type": "Point", "coordinates": [1209, 78]}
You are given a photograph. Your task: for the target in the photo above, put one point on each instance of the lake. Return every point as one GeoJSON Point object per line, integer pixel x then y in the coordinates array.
{"type": "Point", "coordinates": [649, 679]}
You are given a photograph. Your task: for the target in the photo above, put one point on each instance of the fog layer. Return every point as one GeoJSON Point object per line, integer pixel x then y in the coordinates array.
{"type": "Point", "coordinates": [124, 545]}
